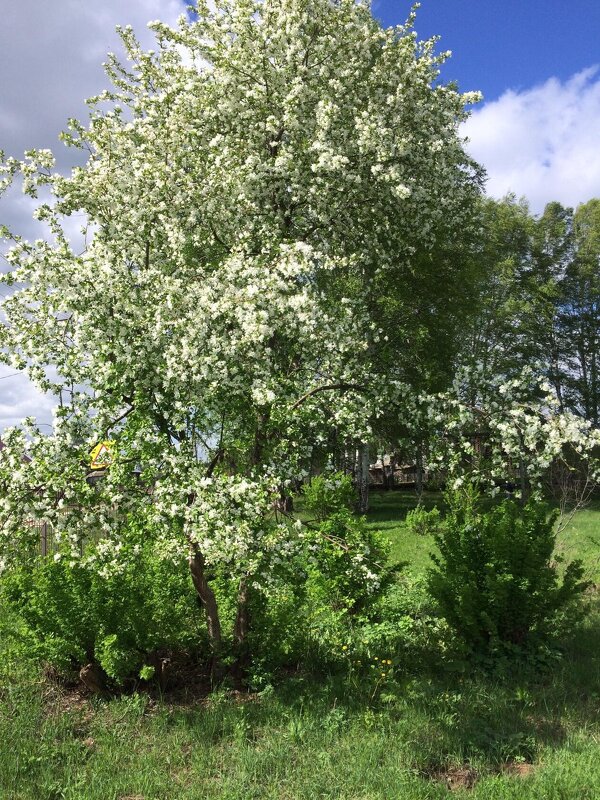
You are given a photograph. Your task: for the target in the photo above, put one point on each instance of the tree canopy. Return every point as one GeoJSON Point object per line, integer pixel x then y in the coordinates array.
{"type": "Point", "coordinates": [263, 194]}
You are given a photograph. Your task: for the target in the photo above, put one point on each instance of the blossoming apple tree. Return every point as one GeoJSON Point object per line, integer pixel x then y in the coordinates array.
{"type": "Point", "coordinates": [250, 185]}
{"type": "Point", "coordinates": [508, 432]}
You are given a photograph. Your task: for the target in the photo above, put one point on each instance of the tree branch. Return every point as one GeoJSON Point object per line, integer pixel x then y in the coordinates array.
{"type": "Point", "coordinates": [328, 388]}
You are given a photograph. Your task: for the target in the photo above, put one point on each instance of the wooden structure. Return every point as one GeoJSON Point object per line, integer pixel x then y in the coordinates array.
{"type": "Point", "coordinates": [386, 473]}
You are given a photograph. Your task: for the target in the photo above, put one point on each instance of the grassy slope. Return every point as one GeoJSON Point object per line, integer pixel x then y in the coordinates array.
{"type": "Point", "coordinates": [313, 740]}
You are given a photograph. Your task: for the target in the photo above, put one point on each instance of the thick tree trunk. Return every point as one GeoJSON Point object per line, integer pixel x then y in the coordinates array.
{"type": "Point", "coordinates": [242, 619]}
{"type": "Point", "coordinates": [209, 603]}
{"type": "Point", "coordinates": [94, 678]}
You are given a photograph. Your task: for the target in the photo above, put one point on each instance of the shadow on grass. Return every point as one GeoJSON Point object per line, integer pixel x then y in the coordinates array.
{"type": "Point", "coordinates": [327, 735]}
{"type": "Point", "coordinates": [407, 738]}
{"type": "Point", "coordinates": [393, 505]}
{"type": "Point", "coordinates": [485, 718]}
{"type": "Point", "coordinates": [448, 712]}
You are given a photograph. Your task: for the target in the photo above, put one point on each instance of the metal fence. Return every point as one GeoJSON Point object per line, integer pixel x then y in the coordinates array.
{"type": "Point", "coordinates": [47, 545]}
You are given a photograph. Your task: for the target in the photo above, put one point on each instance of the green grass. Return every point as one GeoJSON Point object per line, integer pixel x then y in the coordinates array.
{"type": "Point", "coordinates": [387, 514]}
{"type": "Point", "coordinates": [580, 538]}
{"type": "Point", "coordinates": [309, 738]}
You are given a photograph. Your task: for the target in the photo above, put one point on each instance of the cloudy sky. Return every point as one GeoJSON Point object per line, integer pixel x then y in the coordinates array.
{"type": "Point", "coordinates": [537, 63]}
{"type": "Point", "coordinates": [51, 56]}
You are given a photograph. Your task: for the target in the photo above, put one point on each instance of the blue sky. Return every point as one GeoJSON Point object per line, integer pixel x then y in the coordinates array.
{"type": "Point", "coordinates": [506, 44]}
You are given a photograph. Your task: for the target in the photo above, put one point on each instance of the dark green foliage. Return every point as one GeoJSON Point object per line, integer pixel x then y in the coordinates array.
{"type": "Point", "coordinates": [332, 593]}
{"type": "Point", "coordinates": [580, 315]}
{"type": "Point", "coordinates": [422, 521]}
{"type": "Point", "coordinates": [72, 615]}
{"type": "Point", "coordinates": [350, 562]}
{"type": "Point", "coordinates": [495, 579]}
{"type": "Point", "coordinates": [537, 299]}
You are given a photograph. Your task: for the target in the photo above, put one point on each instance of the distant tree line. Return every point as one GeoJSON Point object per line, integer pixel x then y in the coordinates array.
{"type": "Point", "coordinates": [537, 299]}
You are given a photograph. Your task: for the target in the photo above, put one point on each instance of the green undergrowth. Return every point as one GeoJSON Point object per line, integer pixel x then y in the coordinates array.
{"type": "Point", "coordinates": [430, 730]}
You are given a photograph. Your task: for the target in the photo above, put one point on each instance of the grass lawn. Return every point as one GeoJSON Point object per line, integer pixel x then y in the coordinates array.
{"type": "Point", "coordinates": [528, 734]}
{"type": "Point", "coordinates": [581, 539]}
{"type": "Point", "coordinates": [387, 513]}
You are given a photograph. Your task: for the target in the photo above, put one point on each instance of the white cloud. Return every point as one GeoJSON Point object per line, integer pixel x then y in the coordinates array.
{"type": "Point", "coordinates": [20, 399]}
{"type": "Point", "coordinates": [51, 57]}
{"type": "Point", "coordinates": [543, 143]}
{"type": "Point", "coordinates": [51, 61]}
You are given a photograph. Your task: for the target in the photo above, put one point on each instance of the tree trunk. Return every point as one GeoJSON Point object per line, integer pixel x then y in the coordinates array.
{"type": "Point", "coordinates": [419, 472]}
{"type": "Point", "coordinates": [240, 635]}
{"type": "Point", "coordinates": [242, 619]}
{"type": "Point", "coordinates": [362, 478]}
{"type": "Point", "coordinates": [94, 678]}
{"type": "Point", "coordinates": [209, 603]}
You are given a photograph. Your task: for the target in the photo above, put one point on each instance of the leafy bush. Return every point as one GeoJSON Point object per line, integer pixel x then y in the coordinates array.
{"type": "Point", "coordinates": [495, 579]}
{"type": "Point", "coordinates": [74, 612]}
{"type": "Point", "coordinates": [422, 522]}
{"type": "Point", "coordinates": [328, 494]}
{"type": "Point", "coordinates": [328, 594]}
{"type": "Point", "coordinates": [72, 615]}
{"type": "Point", "coordinates": [402, 626]}
{"type": "Point", "coordinates": [349, 562]}
{"type": "Point", "coordinates": [369, 650]}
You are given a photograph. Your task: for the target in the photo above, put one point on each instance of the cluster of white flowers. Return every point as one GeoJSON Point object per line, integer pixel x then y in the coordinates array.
{"type": "Point", "coordinates": [513, 431]}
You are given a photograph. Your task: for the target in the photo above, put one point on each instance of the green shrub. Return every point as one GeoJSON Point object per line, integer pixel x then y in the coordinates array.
{"type": "Point", "coordinates": [328, 494]}
{"type": "Point", "coordinates": [349, 562]}
{"type": "Point", "coordinates": [327, 595]}
{"type": "Point", "coordinates": [495, 579]}
{"type": "Point", "coordinates": [73, 615]}
{"type": "Point", "coordinates": [402, 626]}
{"type": "Point", "coordinates": [422, 522]}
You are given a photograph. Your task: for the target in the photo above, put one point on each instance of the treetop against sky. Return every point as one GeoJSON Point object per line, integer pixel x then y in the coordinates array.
{"type": "Point", "coordinates": [536, 62]}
